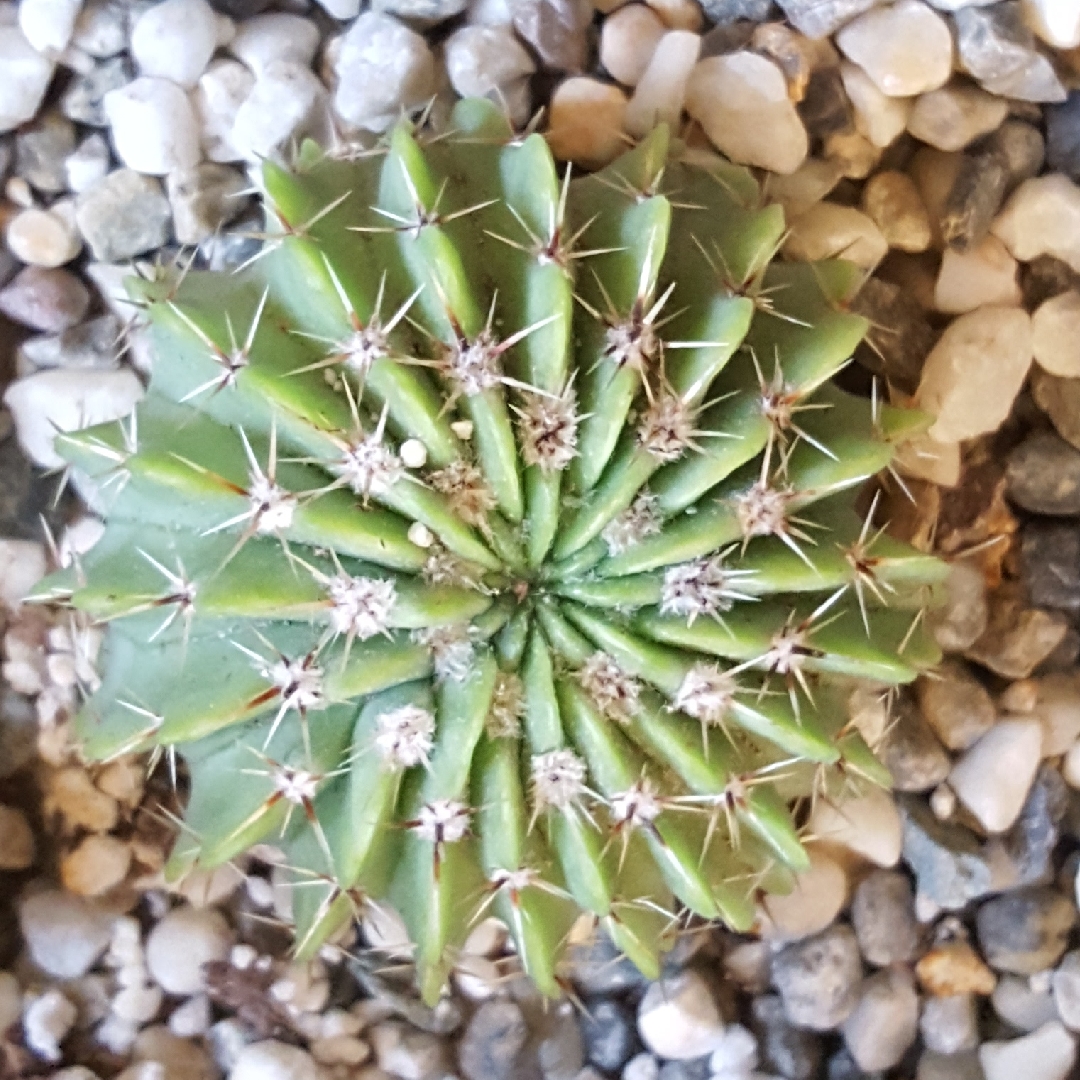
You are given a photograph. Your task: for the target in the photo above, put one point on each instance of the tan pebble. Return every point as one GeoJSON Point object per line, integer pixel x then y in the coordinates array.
{"type": "Point", "coordinates": [954, 968]}
{"type": "Point", "coordinates": [893, 201]}
{"type": "Point", "coordinates": [934, 173]}
{"type": "Point", "coordinates": [855, 153]}
{"type": "Point", "coordinates": [808, 184]}
{"type": "Point", "coordinates": [984, 274]}
{"type": "Point", "coordinates": [828, 231]}
{"type": "Point", "coordinates": [796, 56]}
{"type": "Point", "coordinates": [954, 116]}
{"type": "Point", "coordinates": [661, 91]}
{"type": "Point", "coordinates": [97, 865]}
{"type": "Point", "coordinates": [16, 839]}
{"type": "Point", "coordinates": [1020, 697]}
{"type": "Point", "coordinates": [42, 238]}
{"type": "Point", "coordinates": [878, 117]}
{"type": "Point", "coordinates": [72, 795]}
{"type": "Point", "coordinates": [628, 40]}
{"type": "Point", "coordinates": [925, 458]}
{"type": "Point", "coordinates": [124, 780]}
{"type": "Point", "coordinates": [679, 14]}
{"type": "Point", "coordinates": [1055, 335]}
{"type": "Point", "coordinates": [586, 120]}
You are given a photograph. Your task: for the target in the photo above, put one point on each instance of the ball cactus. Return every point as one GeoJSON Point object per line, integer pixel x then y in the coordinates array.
{"type": "Point", "coordinates": [491, 544]}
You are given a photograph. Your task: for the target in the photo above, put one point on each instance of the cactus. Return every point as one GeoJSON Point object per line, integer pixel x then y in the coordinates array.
{"type": "Point", "coordinates": [491, 544]}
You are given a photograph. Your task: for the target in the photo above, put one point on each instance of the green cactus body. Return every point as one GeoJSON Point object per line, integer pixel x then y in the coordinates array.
{"type": "Point", "coordinates": [490, 544]}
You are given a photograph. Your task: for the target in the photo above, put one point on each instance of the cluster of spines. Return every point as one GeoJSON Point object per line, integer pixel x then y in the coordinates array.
{"type": "Point", "coordinates": [474, 546]}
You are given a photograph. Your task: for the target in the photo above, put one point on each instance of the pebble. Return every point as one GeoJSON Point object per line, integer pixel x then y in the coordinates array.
{"type": "Point", "coordinates": [905, 48]}
{"type": "Point", "coordinates": [1057, 708]}
{"type": "Point", "coordinates": [1055, 326]}
{"type": "Point", "coordinates": [1023, 1003]}
{"type": "Point", "coordinates": [492, 1040]}
{"type": "Point", "coordinates": [407, 1053]}
{"type": "Point", "coordinates": [993, 777]}
{"type": "Point", "coordinates": [47, 1019]}
{"type": "Point", "coordinates": [286, 102]}
{"type": "Point", "coordinates": [954, 116]}
{"type": "Point", "coordinates": [885, 1021]}
{"type": "Point", "coordinates": [1025, 930]}
{"type": "Point", "coordinates": [24, 77]}
{"type": "Point", "coordinates": [1018, 637]}
{"type": "Point", "coordinates": [1042, 217]}
{"type": "Point", "coordinates": [828, 230]}
{"type": "Point", "coordinates": [883, 917]}
{"type": "Point", "coordinates": [481, 60]}
{"type": "Point", "coordinates": [642, 1067]}
{"type": "Point", "coordinates": [586, 121]}
{"type": "Point", "coordinates": [1060, 400]}
{"type": "Point", "coordinates": [91, 344]}
{"type": "Point", "coordinates": [1065, 987]}
{"type": "Point", "coordinates": [180, 1058]}
{"type": "Point", "coordinates": [878, 117]}
{"type": "Point", "coordinates": [83, 99]}
{"type": "Point", "coordinates": [179, 945]}
{"type": "Point", "coordinates": [990, 348]}
{"type": "Point", "coordinates": [382, 67]}
{"type": "Point", "coordinates": [87, 164]}
{"type": "Point", "coordinates": [153, 126]}
{"type": "Point", "coordinates": [99, 863]}
{"type": "Point", "coordinates": [40, 151]}
{"type": "Point", "coordinates": [867, 825]}
{"type": "Point", "coordinates": [661, 92]}
{"type": "Point", "coordinates": [736, 1056]}
{"type": "Point", "coordinates": [856, 156]}
{"type": "Point", "coordinates": [124, 215]}
{"type": "Point", "coordinates": [822, 18]}
{"type": "Point", "coordinates": [679, 1019]}
{"type": "Point", "coordinates": [204, 199]}
{"type": "Point", "coordinates": [818, 978]}
{"type": "Point", "coordinates": [954, 967]}
{"type": "Point", "coordinates": [1063, 136]}
{"type": "Point", "coordinates": [557, 31]}
{"type": "Point", "coordinates": [825, 107]}
{"type": "Point", "coordinates": [900, 335]}
{"type": "Point", "coordinates": [1046, 1054]}
{"type": "Point", "coordinates": [48, 24]}
{"type": "Point", "coordinates": [277, 35]}
{"type": "Point", "coordinates": [609, 1033]}
{"type": "Point", "coordinates": [272, 1060]}
{"type": "Point", "coordinates": [100, 29]}
{"type": "Point", "coordinates": [1043, 475]}
{"type": "Point", "coordinates": [424, 13]}
{"type": "Point", "coordinates": [742, 103]}
{"type": "Point", "coordinates": [45, 238]}
{"type": "Point", "coordinates": [174, 40]}
{"type": "Point", "coordinates": [982, 275]}
{"type": "Point", "coordinates": [946, 859]}
{"type": "Point", "coordinates": [949, 1025]}
{"type": "Point", "coordinates": [910, 750]}
{"type": "Point", "coordinates": [43, 299]}
{"type": "Point", "coordinates": [793, 1052]}
{"type": "Point", "coordinates": [628, 39]}
{"type": "Point", "coordinates": [893, 203]}
{"type": "Point", "coordinates": [999, 52]}
{"type": "Point", "coordinates": [956, 705]}
{"type": "Point", "coordinates": [819, 895]}
{"type": "Point", "coordinates": [64, 934]}
{"type": "Point", "coordinates": [16, 841]}
{"type": "Point", "coordinates": [216, 100]}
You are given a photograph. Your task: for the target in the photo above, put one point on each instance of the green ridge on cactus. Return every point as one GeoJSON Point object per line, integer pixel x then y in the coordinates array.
{"type": "Point", "coordinates": [491, 544]}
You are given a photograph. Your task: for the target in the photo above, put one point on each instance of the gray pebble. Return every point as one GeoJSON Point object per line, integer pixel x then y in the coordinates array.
{"type": "Point", "coordinates": [696, 1069]}
{"type": "Point", "coordinates": [949, 1025]}
{"type": "Point", "coordinates": [598, 968]}
{"type": "Point", "coordinates": [1043, 475]}
{"type": "Point", "coordinates": [883, 915]}
{"type": "Point", "coordinates": [49, 300]}
{"type": "Point", "coordinates": [40, 150]}
{"type": "Point", "coordinates": [820, 18]}
{"type": "Point", "coordinates": [492, 1040]}
{"type": "Point", "coordinates": [124, 215]}
{"type": "Point", "coordinates": [1063, 136]}
{"type": "Point", "coordinates": [64, 934]}
{"type": "Point", "coordinates": [1050, 564]}
{"type": "Point", "coordinates": [1065, 987]}
{"type": "Point", "coordinates": [724, 12]}
{"type": "Point", "coordinates": [900, 335]}
{"type": "Point", "coordinates": [82, 100]}
{"type": "Point", "coordinates": [1020, 1006]}
{"type": "Point", "coordinates": [557, 30]}
{"type": "Point", "coordinates": [609, 1029]}
{"type": "Point", "coordinates": [1029, 844]}
{"type": "Point", "coordinates": [910, 749]}
{"type": "Point", "coordinates": [956, 705]}
{"type": "Point", "coordinates": [561, 1051]}
{"type": "Point", "coordinates": [793, 1052]}
{"type": "Point", "coordinates": [818, 978]}
{"type": "Point", "coordinates": [963, 1066]}
{"type": "Point", "coordinates": [101, 29]}
{"type": "Point", "coordinates": [425, 12]}
{"type": "Point", "coordinates": [204, 199]}
{"type": "Point", "coordinates": [1025, 930]}
{"type": "Point", "coordinates": [885, 1021]}
{"type": "Point", "coordinates": [825, 108]}
{"type": "Point", "coordinates": [92, 344]}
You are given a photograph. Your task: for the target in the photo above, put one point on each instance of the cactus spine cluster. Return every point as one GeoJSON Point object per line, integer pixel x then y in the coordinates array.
{"type": "Point", "coordinates": [491, 544]}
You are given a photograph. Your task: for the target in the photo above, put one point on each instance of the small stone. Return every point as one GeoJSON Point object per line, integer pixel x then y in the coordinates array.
{"type": "Point", "coordinates": [406, 1052]}
{"type": "Point", "coordinates": [137, 1004]}
{"type": "Point", "coordinates": [679, 14]}
{"type": "Point", "coordinates": [1025, 930]}
{"type": "Point", "coordinates": [885, 1021]}
{"type": "Point", "coordinates": [905, 48]}
{"type": "Point", "coordinates": [337, 9]}
{"type": "Point", "coordinates": [641, 1067]}
{"type": "Point", "coordinates": [278, 35]}
{"type": "Point", "coordinates": [679, 1019]}
{"type": "Point", "coordinates": [65, 935]}
{"type": "Point", "coordinates": [956, 705]}
{"type": "Point", "coordinates": [204, 199]}
{"type": "Point", "coordinates": [867, 825]}
{"type": "Point", "coordinates": [123, 216]}
{"type": "Point", "coordinates": [900, 335]}
{"type": "Point", "coordinates": [181, 943]}
{"type": "Point", "coordinates": [725, 12]}
{"type": "Point", "coordinates": [954, 116]}
{"type": "Point", "coordinates": [382, 68]}
{"type": "Point", "coordinates": [857, 156]}
{"type": "Point", "coordinates": [192, 1018]}
{"type": "Point", "coordinates": [983, 275]}
{"type": "Point", "coordinates": [894, 205]}
{"type": "Point", "coordinates": [557, 31]}
{"type": "Point", "coordinates": [742, 103]}
{"type": "Point", "coordinates": [627, 41]}
{"type": "Point", "coordinates": [101, 29]}
{"type": "Point", "coordinates": [560, 1051]}
{"type": "Point", "coordinates": [990, 348]}
{"type": "Point", "coordinates": [661, 92]}
{"type": "Point", "coordinates": [737, 1054]}
{"type": "Point", "coordinates": [43, 237]}
{"type": "Point", "coordinates": [1044, 475]}
{"type": "Point", "coordinates": [609, 1033]}
{"type": "Point", "coordinates": [1065, 986]}
{"type": "Point", "coordinates": [962, 618]}
{"type": "Point", "coordinates": [586, 119]}
{"type": "Point", "coordinates": [1046, 1054]}
{"type": "Point", "coordinates": [83, 99]}
{"type": "Point", "coordinates": [87, 164]}
{"type": "Point", "coordinates": [807, 185]}
{"type": "Point", "coordinates": [1022, 1003]}
{"type": "Point", "coordinates": [24, 77]}
{"type": "Point", "coordinates": [910, 750]}
{"type": "Point", "coordinates": [92, 344]}
{"type": "Point", "coordinates": [48, 24]}
{"type": "Point", "coordinates": [1054, 328]}
{"type": "Point", "coordinates": [1063, 136]}
{"type": "Point", "coordinates": [952, 968]}
{"type": "Point", "coordinates": [818, 978]}
{"type": "Point", "coordinates": [793, 1052]}
{"type": "Point", "coordinates": [221, 91]}
{"type": "Point", "coordinates": [98, 864]}
{"type": "Point", "coordinates": [949, 1025]}
{"type": "Point", "coordinates": [46, 1022]}
{"type": "Point", "coordinates": [286, 103]}
{"type": "Point", "coordinates": [16, 840]}
{"type": "Point", "coordinates": [174, 40]}
{"type": "Point", "coordinates": [272, 1060]}
{"type": "Point", "coordinates": [424, 13]}
{"type": "Point", "coordinates": [40, 151]}
{"type": "Point", "coordinates": [50, 300]}
{"type": "Point", "coordinates": [492, 1040]}
{"type": "Point", "coordinates": [181, 1059]}
{"type": "Point", "coordinates": [828, 230]}
{"type": "Point", "coordinates": [482, 60]}
{"type": "Point", "coordinates": [822, 18]}
{"type": "Point", "coordinates": [993, 777]}
{"type": "Point", "coordinates": [1045, 277]}
{"type": "Point", "coordinates": [825, 108]}
{"type": "Point", "coordinates": [1018, 638]}
{"type": "Point", "coordinates": [1060, 400]}
{"type": "Point", "coordinates": [1057, 708]}
{"type": "Point", "coordinates": [153, 126]}
{"type": "Point", "coordinates": [817, 898]}
{"type": "Point", "coordinates": [962, 1066]}
{"type": "Point", "coordinates": [878, 117]}
{"type": "Point", "coordinates": [998, 51]}
{"type": "Point", "coordinates": [883, 916]}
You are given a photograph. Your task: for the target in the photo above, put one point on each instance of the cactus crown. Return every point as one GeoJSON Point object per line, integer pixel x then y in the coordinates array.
{"type": "Point", "coordinates": [490, 544]}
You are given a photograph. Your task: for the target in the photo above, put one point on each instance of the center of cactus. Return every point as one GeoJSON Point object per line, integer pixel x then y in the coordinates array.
{"type": "Point", "coordinates": [466, 554]}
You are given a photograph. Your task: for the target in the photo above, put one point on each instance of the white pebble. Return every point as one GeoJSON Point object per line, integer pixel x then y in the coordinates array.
{"type": "Point", "coordinates": [992, 779]}
{"type": "Point", "coordinates": [1045, 1054]}
{"type": "Point", "coordinates": [153, 126]}
{"type": "Point", "coordinates": [587, 119]}
{"type": "Point", "coordinates": [661, 92]}
{"type": "Point", "coordinates": [885, 1021]}
{"type": "Point", "coordinates": [484, 59]}
{"type": "Point", "coordinates": [277, 35]}
{"type": "Point", "coordinates": [905, 48]}
{"type": "Point", "coordinates": [818, 897]}
{"type": "Point", "coordinates": [954, 116]}
{"type": "Point", "coordinates": [1057, 22]}
{"type": "Point", "coordinates": [1042, 217]}
{"type": "Point", "coordinates": [628, 40]}
{"type": "Point", "coordinates": [828, 230]}
{"type": "Point", "coordinates": [48, 24]}
{"type": "Point", "coordinates": [174, 40]}
{"type": "Point", "coordinates": [989, 348]}
{"type": "Point", "coordinates": [678, 1018]}
{"type": "Point", "coordinates": [45, 238]}
{"type": "Point", "coordinates": [742, 103]}
{"type": "Point", "coordinates": [87, 164]}
{"type": "Point", "coordinates": [1055, 330]}
{"type": "Point", "coordinates": [192, 1018]}
{"type": "Point", "coordinates": [24, 77]}
{"type": "Point", "coordinates": [271, 1060]}
{"type": "Point", "coordinates": [868, 825]}
{"type": "Point", "coordinates": [181, 943]}
{"type": "Point", "coordinates": [286, 103]}
{"type": "Point", "coordinates": [382, 68]}
{"type": "Point", "coordinates": [46, 1022]}
{"type": "Point", "coordinates": [217, 99]}
{"type": "Point", "coordinates": [984, 274]}
{"type": "Point", "coordinates": [64, 934]}
{"type": "Point", "coordinates": [878, 117]}
{"type": "Point", "coordinates": [737, 1054]}
{"type": "Point", "coordinates": [413, 454]}
{"type": "Point", "coordinates": [22, 566]}
{"type": "Point", "coordinates": [139, 1004]}
{"type": "Point", "coordinates": [341, 9]}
